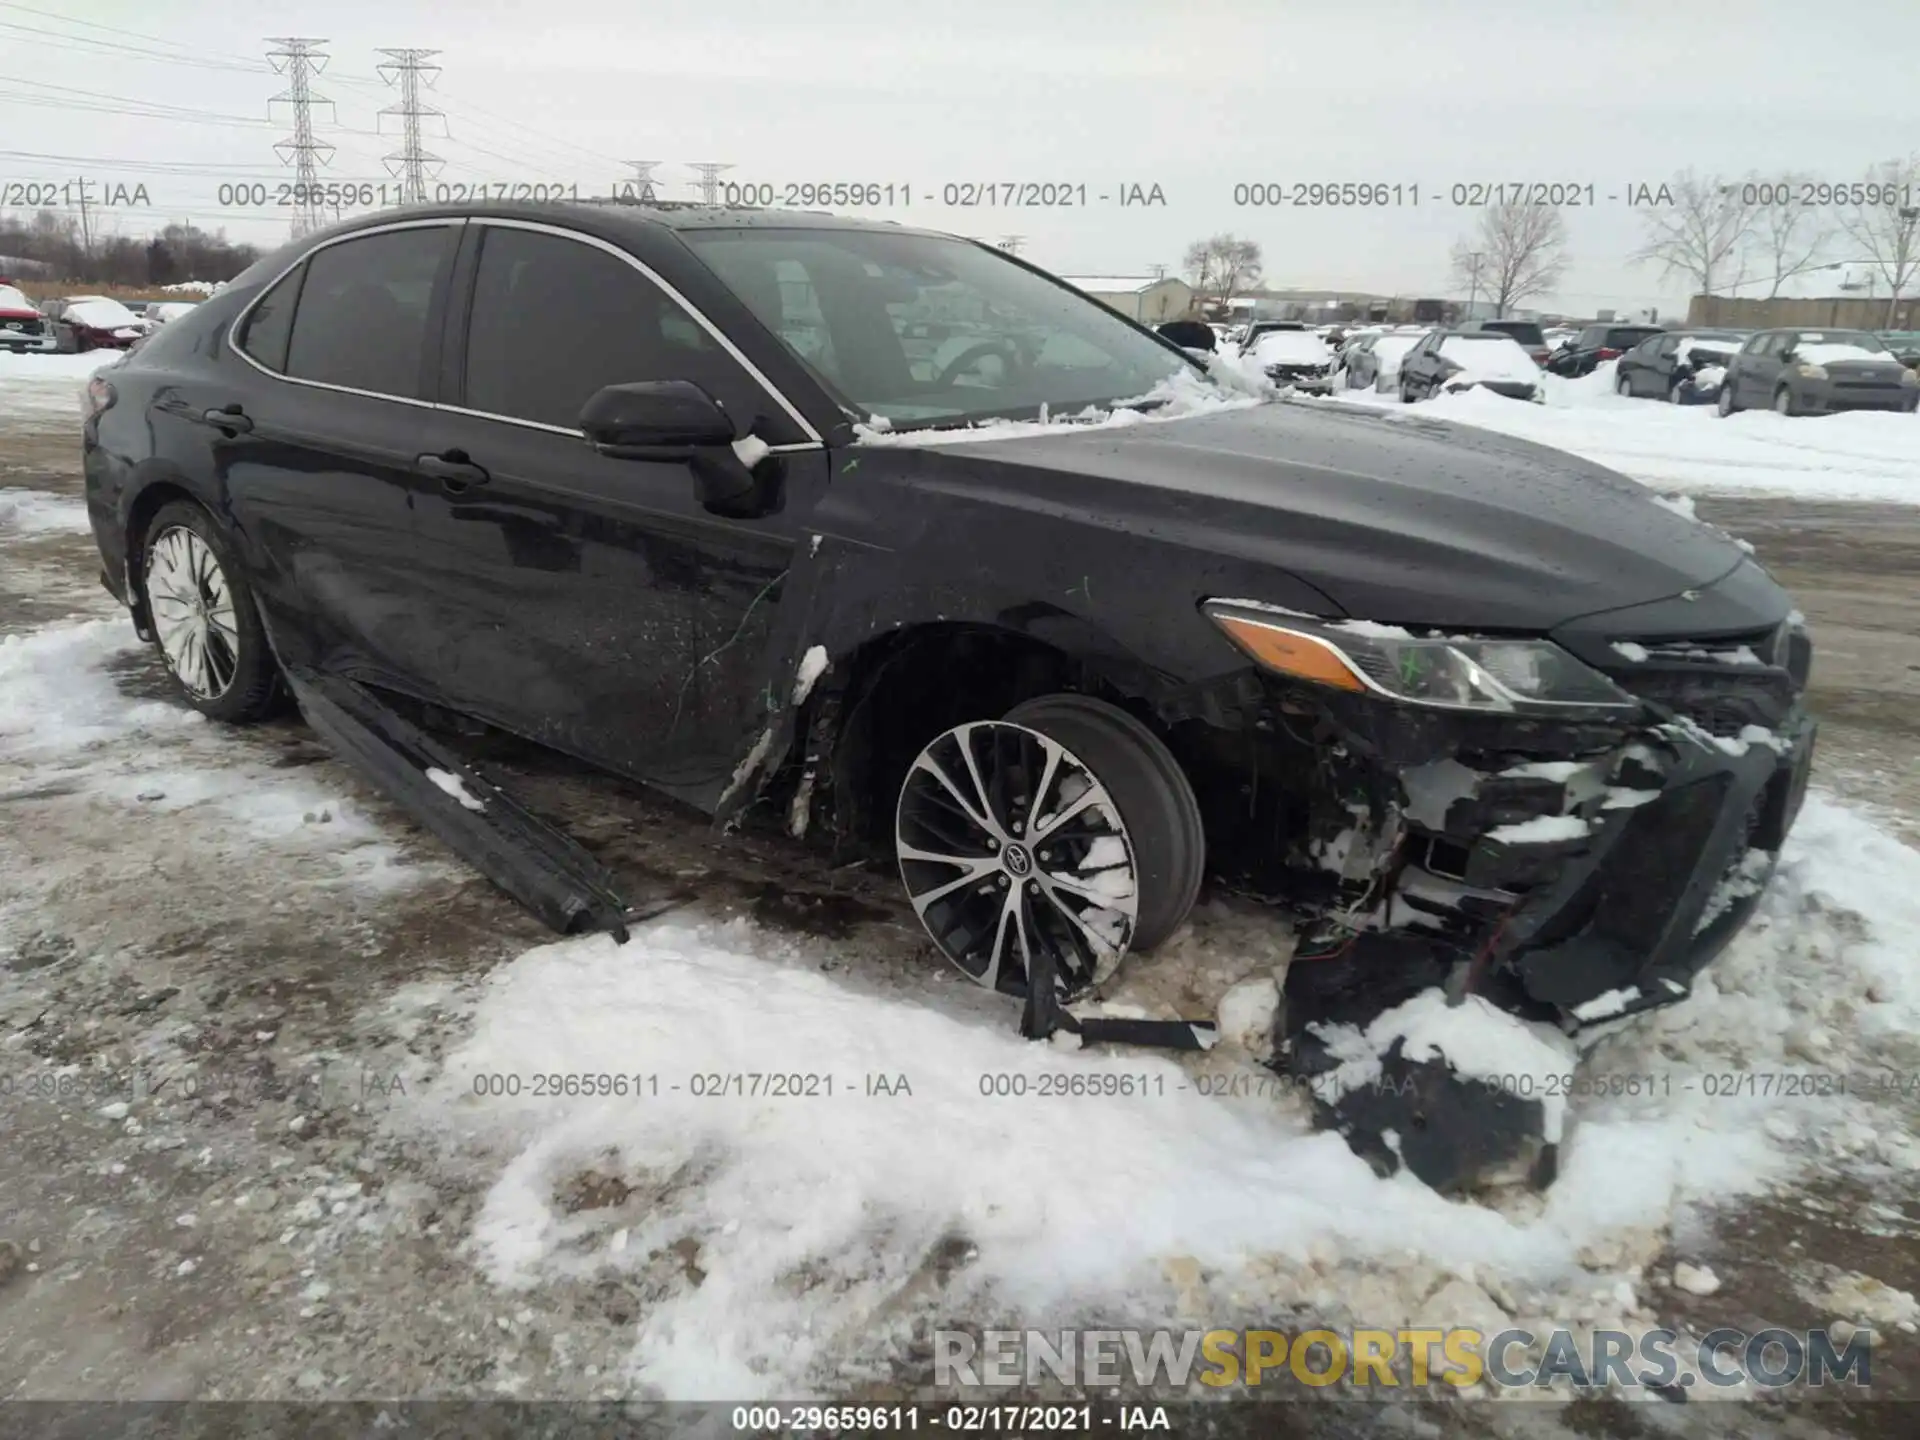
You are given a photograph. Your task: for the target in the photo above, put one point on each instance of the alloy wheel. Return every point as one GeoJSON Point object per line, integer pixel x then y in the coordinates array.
{"type": "Point", "coordinates": [193, 613]}
{"type": "Point", "coordinates": [1010, 844]}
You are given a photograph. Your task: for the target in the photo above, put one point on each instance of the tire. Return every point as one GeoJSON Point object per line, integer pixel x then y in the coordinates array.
{"type": "Point", "coordinates": [1725, 405]}
{"type": "Point", "coordinates": [1406, 393]}
{"type": "Point", "coordinates": [1156, 801]}
{"type": "Point", "coordinates": [1064, 828]}
{"type": "Point", "coordinates": [215, 650]}
{"type": "Point", "coordinates": [1783, 403]}
{"type": "Point", "coordinates": [1623, 386]}
{"type": "Point", "coordinates": [1673, 392]}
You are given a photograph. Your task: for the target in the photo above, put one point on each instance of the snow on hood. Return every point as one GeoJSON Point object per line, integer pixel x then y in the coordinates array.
{"type": "Point", "coordinates": [1828, 352]}
{"type": "Point", "coordinates": [1180, 396]}
{"type": "Point", "coordinates": [1491, 358]}
{"type": "Point", "coordinates": [101, 314]}
{"type": "Point", "coordinates": [1290, 347]}
{"type": "Point", "coordinates": [14, 302]}
{"type": "Point", "coordinates": [1706, 348]}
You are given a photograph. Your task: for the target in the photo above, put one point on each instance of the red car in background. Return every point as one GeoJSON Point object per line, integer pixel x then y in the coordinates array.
{"type": "Point", "coordinates": [93, 322]}
{"type": "Point", "coordinates": [22, 326]}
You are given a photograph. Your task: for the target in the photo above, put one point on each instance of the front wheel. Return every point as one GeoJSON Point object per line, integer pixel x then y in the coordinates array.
{"type": "Point", "coordinates": [1623, 386]}
{"type": "Point", "coordinates": [1065, 826]}
{"type": "Point", "coordinates": [210, 636]}
{"type": "Point", "coordinates": [1783, 402]}
{"type": "Point", "coordinates": [1724, 406]}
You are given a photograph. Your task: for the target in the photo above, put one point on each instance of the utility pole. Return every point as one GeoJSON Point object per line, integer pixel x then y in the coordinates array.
{"type": "Point", "coordinates": [1473, 281]}
{"type": "Point", "coordinates": [640, 187]}
{"type": "Point", "coordinates": [1159, 271]}
{"type": "Point", "coordinates": [86, 228]}
{"type": "Point", "coordinates": [410, 163]}
{"type": "Point", "coordinates": [710, 181]}
{"type": "Point", "coordinates": [299, 61]}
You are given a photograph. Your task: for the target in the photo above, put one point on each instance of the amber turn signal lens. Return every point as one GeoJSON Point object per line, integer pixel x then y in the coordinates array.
{"type": "Point", "coordinates": [1290, 652]}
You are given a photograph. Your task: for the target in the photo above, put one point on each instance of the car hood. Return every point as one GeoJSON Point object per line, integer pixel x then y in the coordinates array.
{"type": "Point", "coordinates": [1404, 520]}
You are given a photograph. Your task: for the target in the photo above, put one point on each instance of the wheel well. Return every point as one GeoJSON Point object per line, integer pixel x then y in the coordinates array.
{"type": "Point", "coordinates": [147, 504]}
{"type": "Point", "coordinates": [903, 689]}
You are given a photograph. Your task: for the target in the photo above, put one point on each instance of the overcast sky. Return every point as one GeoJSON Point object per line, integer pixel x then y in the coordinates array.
{"type": "Point", "coordinates": [1194, 97]}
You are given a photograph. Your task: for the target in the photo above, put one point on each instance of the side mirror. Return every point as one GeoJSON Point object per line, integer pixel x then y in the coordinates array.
{"type": "Point", "coordinates": [654, 420]}
{"type": "Point", "coordinates": [674, 420]}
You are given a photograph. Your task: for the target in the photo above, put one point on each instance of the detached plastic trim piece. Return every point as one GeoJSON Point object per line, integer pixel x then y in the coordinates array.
{"type": "Point", "coordinates": [539, 866]}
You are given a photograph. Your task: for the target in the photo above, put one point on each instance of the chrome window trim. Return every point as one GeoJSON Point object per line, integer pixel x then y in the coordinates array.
{"type": "Point", "coordinates": [233, 331]}
{"type": "Point", "coordinates": [792, 447]}
{"type": "Point", "coordinates": [720, 336]}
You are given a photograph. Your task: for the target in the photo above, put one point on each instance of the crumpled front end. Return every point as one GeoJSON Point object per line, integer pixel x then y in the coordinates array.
{"type": "Point", "coordinates": [1577, 869]}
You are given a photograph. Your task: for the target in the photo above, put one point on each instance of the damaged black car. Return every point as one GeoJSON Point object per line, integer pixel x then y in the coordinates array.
{"type": "Point", "coordinates": [892, 540]}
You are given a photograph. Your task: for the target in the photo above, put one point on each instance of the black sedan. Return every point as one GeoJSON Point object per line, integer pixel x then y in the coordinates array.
{"type": "Point", "coordinates": [663, 490]}
{"type": "Point", "coordinates": [1684, 367]}
{"type": "Point", "coordinates": [1597, 344]}
{"type": "Point", "coordinates": [1817, 372]}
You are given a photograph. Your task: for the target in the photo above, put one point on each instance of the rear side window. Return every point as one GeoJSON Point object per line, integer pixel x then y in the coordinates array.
{"type": "Point", "coordinates": [269, 324]}
{"type": "Point", "coordinates": [554, 320]}
{"type": "Point", "coordinates": [362, 316]}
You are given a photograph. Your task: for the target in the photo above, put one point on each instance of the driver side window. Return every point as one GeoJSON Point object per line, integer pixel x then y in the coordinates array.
{"type": "Point", "coordinates": [556, 319]}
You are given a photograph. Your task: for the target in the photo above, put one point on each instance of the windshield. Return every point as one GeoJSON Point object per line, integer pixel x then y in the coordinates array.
{"type": "Point", "coordinates": [1525, 332]}
{"type": "Point", "coordinates": [1818, 345]}
{"type": "Point", "coordinates": [929, 331]}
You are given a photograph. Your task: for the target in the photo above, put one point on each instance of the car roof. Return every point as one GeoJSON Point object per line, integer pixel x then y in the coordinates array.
{"type": "Point", "coordinates": [648, 217]}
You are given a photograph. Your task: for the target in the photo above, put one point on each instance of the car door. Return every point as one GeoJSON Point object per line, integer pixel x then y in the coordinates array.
{"type": "Point", "coordinates": [1649, 365]}
{"type": "Point", "coordinates": [1761, 369]}
{"type": "Point", "coordinates": [315, 437]}
{"type": "Point", "coordinates": [591, 603]}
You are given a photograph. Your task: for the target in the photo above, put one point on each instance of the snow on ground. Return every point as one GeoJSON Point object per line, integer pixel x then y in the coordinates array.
{"type": "Point", "coordinates": [1866, 455]}
{"type": "Point", "coordinates": [809, 1212]}
{"type": "Point", "coordinates": [35, 512]}
{"type": "Point", "coordinates": [47, 382]}
{"type": "Point", "coordinates": [64, 716]}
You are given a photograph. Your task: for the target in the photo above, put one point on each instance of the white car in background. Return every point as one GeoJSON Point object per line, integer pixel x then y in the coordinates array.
{"type": "Point", "coordinates": [159, 314]}
{"type": "Point", "coordinates": [1454, 361]}
{"type": "Point", "coordinates": [1299, 358]}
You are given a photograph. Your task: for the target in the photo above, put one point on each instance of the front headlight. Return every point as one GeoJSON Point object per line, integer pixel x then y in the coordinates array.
{"type": "Point", "coordinates": [1910, 377]}
{"type": "Point", "coordinates": [1448, 673]}
{"type": "Point", "coordinates": [1812, 372]}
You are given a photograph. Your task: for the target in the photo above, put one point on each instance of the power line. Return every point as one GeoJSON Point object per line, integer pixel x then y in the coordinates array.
{"type": "Point", "coordinates": [405, 68]}
{"type": "Point", "coordinates": [299, 62]}
{"type": "Point", "coordinates": [87, 45]}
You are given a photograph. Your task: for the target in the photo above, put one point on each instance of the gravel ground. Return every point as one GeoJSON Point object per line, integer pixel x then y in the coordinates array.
{"type": "Point", "coordinates": [208, 1204]}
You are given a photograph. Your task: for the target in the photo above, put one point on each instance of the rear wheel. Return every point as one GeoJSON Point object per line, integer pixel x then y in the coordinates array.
{"type": "Point", "coordinates": [1067, 826]}
{"type": "Point", "coordinates": [204, 620]}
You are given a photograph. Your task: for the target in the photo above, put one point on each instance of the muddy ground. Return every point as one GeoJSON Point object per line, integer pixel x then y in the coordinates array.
{"type": "Point", "coordinates": [248, 1230]}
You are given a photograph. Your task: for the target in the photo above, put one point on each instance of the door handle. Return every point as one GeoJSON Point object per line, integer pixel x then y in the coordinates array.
{"type": "Point", "coordinates": [453, 470]}
{"type": "Point", "coordinates": [230, 418]}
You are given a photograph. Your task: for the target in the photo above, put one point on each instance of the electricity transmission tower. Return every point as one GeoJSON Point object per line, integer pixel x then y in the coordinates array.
{"type": "Point", "coordinates": [640, 187]}
{"type": "Point", "coordinates": [299, 61]}
{"type": "Point", "coordinates": [710, 181]}
{"type": "Point", "coordinates": [410, 164]}
{"type": "Point", "coordinates": [1012, 243]}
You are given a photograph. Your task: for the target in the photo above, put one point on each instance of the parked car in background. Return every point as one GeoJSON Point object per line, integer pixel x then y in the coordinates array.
{"type": "Point", "coordinates": [1817, 372]}
{"type": "Point", "coordinates": [1528, 333]}
{"type": "Point", "coordinates": [93, 322]}
{"type": "Point", "coordinates": [1373, 363]}
{"type": "Point", "coordinates": [1685, 367]}
{"type": "Point", "coordinates": [1455, 360]}
{"type": "Point", "coordinates": [163, 311]}
{"type": "Point", "coordinates": [1558, 336]}
{"type": "Point", "coordinates": [1257, 328]}
{"type": "Point", "coordinates": [1596, 344]}
{"type": "Point", "coordinates": [22, 326]}
{"type": "Point", "coordinates": [1905, 345]}
{"type": "Point", "coordinates": [1299, 358]}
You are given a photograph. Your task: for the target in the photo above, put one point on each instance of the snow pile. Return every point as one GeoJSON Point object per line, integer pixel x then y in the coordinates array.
{"type": "Point", "coordinates": [1861, 455]}
{"type": "Point", "coordinates": [57, 699]}
{"type": "Point", "coordinates": [812, 1214]}
{"type": "Point", "coordinates": [35, 512]}
{"type": "Point", "coordinates": [1181, 396]}
{"type": "Point", "coordinates": [30, 381]}
{"type": "Point", "coordinates": [193, 287]}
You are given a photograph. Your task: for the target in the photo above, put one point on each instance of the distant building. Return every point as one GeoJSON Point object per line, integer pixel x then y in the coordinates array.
{"type": "Point", "coordinates": [1849, 294]}
{"type": "Point", "coordinates": [1149, 299]}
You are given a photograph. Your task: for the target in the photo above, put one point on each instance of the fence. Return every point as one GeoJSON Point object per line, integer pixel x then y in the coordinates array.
{"type": "Point", "coordinates": [1837, 313]}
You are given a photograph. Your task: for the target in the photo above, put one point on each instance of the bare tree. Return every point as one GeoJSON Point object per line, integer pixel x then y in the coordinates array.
{"type": "Point", "coordinates": [1700, 233]}
{"type": "Point", "coordinates": [1884, 224]}
{"type": "Point", "coordinates": [1786, 238]}
{"type": "Point", "coordinates": [1518, 252]}
{"type": "Point", "coordinates": [1222, 265]}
